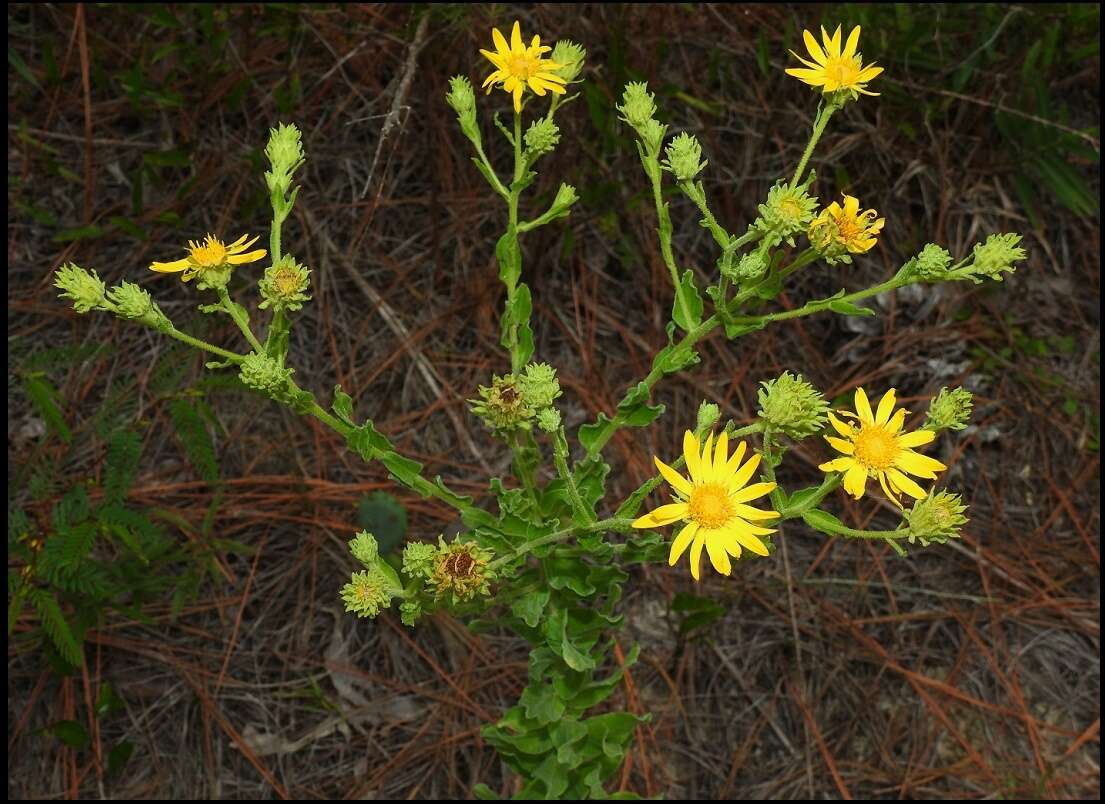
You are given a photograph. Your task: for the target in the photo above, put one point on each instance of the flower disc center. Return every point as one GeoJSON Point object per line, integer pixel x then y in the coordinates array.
{"type": "Point", "coordinates": [875, 447]}
{"type": "Point", "coordinates": [710, 506]}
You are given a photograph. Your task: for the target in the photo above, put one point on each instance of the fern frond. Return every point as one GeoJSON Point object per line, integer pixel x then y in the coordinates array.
{"type": "Point", "coordinates": [56, 627]}
{"type": "Point", "coordinates": [124, 449]}
{"type": "Point", "coordinates": [195, 439]}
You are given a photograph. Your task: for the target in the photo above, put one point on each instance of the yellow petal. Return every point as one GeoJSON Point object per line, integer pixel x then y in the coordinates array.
{"type": "Point", "coordinates": [735, 459]}
{"type": "Point", "coordinates": [744, 474]}
{"type": "Point", "coordinates": [537, 87]}
{"type": "Point", "coordinates": [814, 78]}
{"type": "Point", "coordinates": [896, 421]}
{"type": "Point", "coordinates": [869, 72]}
{"type": "Point", "coordinates": [516, 45]}
{"type": "Point", "coordinates": [718, 557]}
{"type": "Point", "coordinates": [811, 64]}
{"type": "Point", "coordinates": [518, 98]}
{"type": "Point", "coordinates": [664, 515]}
{"type": "Point", "coordinates": [690, 454]}
{"type": "Point", "coordinates": [753, 514]}
{"type": "Point", "coordinates": [814, 48]}
{"type": "Point", "coordinates": [500, 41]}
{"type": "Point", "coordinates": [853, 42]}
{"type": "Point", "coordinates": [253, 256]}
{"type": "Point", "coordinates": [171, 267]}
{"type": "Point", "coordinates": [886, 407]}
{"type": "Point", "coordinates": [842, 428]}
{"type": "Point", "coordinates": [682, 541]}
{"type": "Point", "coordinates": [888, 491]}
{"type": "Point", "coordinates": [837, 465]}
{"type": "Point", "coordinates": [855, 480]}
{"type": "Point", "coordinates": [753, 491]}
{"type": "Point", "coordinates": [900, 481]}
{"type": "Point", "coordinates": [917, 464]}
{"type": "Point", "coordinates": [705, 462]}
{"type": "Point", "coordinates": [721, 453]}
{"type": "Point", "coordinates": [676, 480]}
{"type": "Point", "coordinates": [863, 407]}
{"type": "Point", "coordinates": [840, 445]}
{"type": "Point", "coordinates": [749, 541]}
{"type": "Point", "coordinates": [916, 439]}
{"type": "Point", "coordinates": [834, 44]}
{"type": "Point", "coordinates": [696, 556]}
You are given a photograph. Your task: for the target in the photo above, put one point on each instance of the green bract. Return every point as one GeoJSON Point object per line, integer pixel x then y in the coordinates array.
{"type": "Point", "coordinates": [84, 288]}
{"type": "Point", "coordinates": [364, 548]}
{"type": "Point", "coordinates": [284, 285]}
{"type": "Point", "coordinates": [265, 374]}
{"type": "Point", "coordinates": [935, 519]}
{"type": "Point", "coordinates": [684, 157]}
{"type": "Point", "coordinates": [949, 410]}
{"type": "Point", "coordinates": [570, 57]}
{"type": "Point", "coordinates": [793, 406]}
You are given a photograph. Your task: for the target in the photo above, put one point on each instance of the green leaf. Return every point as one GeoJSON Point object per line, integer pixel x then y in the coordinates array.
{"type": "Point", "coordinates": [78, 233]}
{"type": "Point", "coordinates": [573, 657]}
{"type": "Point", "coordinates": [823, 521]}
{"type": "Point", "coordinates": [484, 793]}
{"type": "Point", "coordinates": [847, 308]}
{"type": "Point", "coordinates": [800, 498]}
{"type": "Point", "coordinates": [119, 756]}
{"type": "Point", "coordinates": [71, 733]}
{"type": "Point", "coordinates": [382, 515]}
{"type": "Point", "coordinates": [687, 310]}
{"type": "Point", "coordinates": [530, 607]}
{"type": "Point", "coordinates": [108, 701]}
{"type": "Point", "coordinates": [192, 432]}
{"type": "Point", "coordinates": [541, 703]}
{"type": "Point", "coordinates": [43, 396]}
{"type": "Point", "coordinates": [343, 406]}
{"type": "Point", "coordinates": [509, 255]}
{"type": "Point", "coordinates": [124, 449]}
{"type": "Point", "coordinates": [56, 627]}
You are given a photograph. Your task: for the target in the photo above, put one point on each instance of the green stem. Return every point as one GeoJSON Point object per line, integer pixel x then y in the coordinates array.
{"type": "Point", "coordinates": [207, 347]}
{"type": "Point", "coordinates": [819, 124]}
{"type": "Point", "coordinates": [523, 466]}
{"type": "Point", "coordinates": [619, 524]}
{"type": "Point", "coordinates": [236, 313]}
{"type": "Point", "coordinates": [496, 184]}
{"type": "Point", "coordinates": [560, 458]}
{"type": "Point", "coordinates": [664, 229]}
{"type": "Point", "coordinates": [821, 304]}
{"type": "Point", "coordinates": [831, 481]}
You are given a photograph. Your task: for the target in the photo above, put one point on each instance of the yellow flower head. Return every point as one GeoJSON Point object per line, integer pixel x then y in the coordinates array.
{"type": "Point", "coordinates": [846, 227]}
{"type": "Point", "coordinates": [518, 66]}
{"type": "Point", "coordinates": [209, 256]}
{"type": "Point", "coordinates": [713, 504]}
{"type": "Point", "coordinates": [833, 69]}
{"type": "Point", "coordinates": [876, 447]}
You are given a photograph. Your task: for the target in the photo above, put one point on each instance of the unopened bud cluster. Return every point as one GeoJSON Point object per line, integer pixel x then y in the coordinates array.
{"type": "Point", "coordinates": [570, 57]}
{"type": "Point", "coordinates": [285, 154]}
{"type": "Point", "coordinates": [791, 405]}
{"type": "Point", "coordinates": [935, 519]}
{"type": "Point", "coordinates": [949, 410]}
{"type": "Point", "coordinates": [638, 108]}
{"type": "Point", "coordinates": [129, 301]}
{"type": "Point", "coordinates": [683, 157]}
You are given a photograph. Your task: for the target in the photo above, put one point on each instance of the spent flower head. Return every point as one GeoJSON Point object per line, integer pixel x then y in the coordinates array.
{"type": "Point", "coordinates": [461, 571]}
{"type": "Point", "coordinates": [518, 67]}
{"type": "Point", "coordinates": [83, 287]}
{"type": "Point", "coordinates": [503, 406]}
{"type": "Point", "coordinates": [683, 157]}
{"type": "Point", "coordinates": [284, 285]}
{"type": "Point", "coordinates": [935, 518]}
{"type": "Point", "coordinates": [364, 548]}
{"type": "Point", "coordinates": [790, 404]}
{"type": "Point", "coordinates": [949, 410]}
{"type": "Point", "coordinates": [834, 69]}
{"type": "Point", "coordinates": [839, 231]}
{"type": "Point", "coordinates": [367, 593]}
{"type": "Point", "coordinates": [570, 57]}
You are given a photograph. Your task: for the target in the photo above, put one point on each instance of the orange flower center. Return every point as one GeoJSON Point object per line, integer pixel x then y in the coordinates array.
{"type": "Point", "coordinates": [710, 505]}
{"type": "Point", "coordinates": [210, 255]}
{"type": "Point", "coordinates": [876, 448]}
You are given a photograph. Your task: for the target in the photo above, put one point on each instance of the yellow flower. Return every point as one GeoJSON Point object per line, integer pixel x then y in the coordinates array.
{"type": "Point", "coordinates": [518, 66]}
{"type": "Point", "coordinates": [846, 227]}
{"type": "Point", "coordinates": [713, 504]}
{"type": "Point", "coordinates": [211, 255]}
{"type": "Point", "coordinates": [876, 447]}
{"type": "Point", "coordinates": [831, 68]}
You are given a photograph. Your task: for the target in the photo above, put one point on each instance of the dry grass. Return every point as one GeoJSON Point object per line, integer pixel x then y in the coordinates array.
{"type": "Point", "coordinates": [970, 671]}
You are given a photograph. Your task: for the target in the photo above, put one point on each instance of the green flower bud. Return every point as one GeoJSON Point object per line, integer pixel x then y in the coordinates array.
{"type": "Point", "coordinates": [263, 373]}
{"type": "Point", "coordinates": [364, 548]}
{"type": "Point", "coordinates": [652, 133]}
{"type": "Point", "coordinates": [418, 559]}
{"type": "Point", "coordinates": [84, 288]}
{"type": "Point", "coordinates": [788, 210]}
{"type": "Point", "coordinates": [637, 106]}
{"type": "Point", "coordinates": [949, 410]}
{"type": "Point", "coordinates": [548, 419]}
{"type": "Point", "coordinates": [792, 405]}
{"type": "Point", "coordinates": [539, 385]}
{"type": "Point", "coordinates": [134, 303]}
{"type": "Point", "coordinates": [931, 265]}
{"type": "Point", "coordinates": [285, 154]}
{"type": "Point", "coordinates": [541, 137]}
{"type": "Point", "coordinates": [570, 57]}
{"type": "Point", "coordinates": [935, 519]}
{"type": "Point", "coordinates": [565, 197]}
{"type": "Point", "coordinates": [503, 406]}
{"type": "Point", "coordinates": [996, 256]}
{"type": "Point", "coordinates": [708, 414]}
{"type": "Point", "coordinates": [749, 267]}
{"type": "Point", "coordinates": [684, 157]}
{"type": "Point", "coordinates": [284, 285]}
{"type": "Point", "coordinates": [461, 97]}
{"type": "Point", "coordinates": [367, 593]}
{"type": "Point", "coordinates": [461, 571]}
{"type": "Point", "coordinates": [409, 612]}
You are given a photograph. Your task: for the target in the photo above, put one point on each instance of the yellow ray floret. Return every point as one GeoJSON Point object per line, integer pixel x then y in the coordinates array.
{"type": "Point", "coordinates": [833, 69]}
{"type": "Point", "coordinates": [846, 227]}
{"type": "Point", "coordinates": [713, 501]}
{"type": "Point", "coordinates": [518, 67]}
{"type": "Point", "coordinates": [876, 447]}
{"type": "Point", "coordinates": [210, 255]}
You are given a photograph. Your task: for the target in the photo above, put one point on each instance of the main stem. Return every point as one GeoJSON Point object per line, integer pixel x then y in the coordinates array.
{"type": "Point", "coordinates": [614, 523]}
{"type": "Point", "coordinates": [818, 128]}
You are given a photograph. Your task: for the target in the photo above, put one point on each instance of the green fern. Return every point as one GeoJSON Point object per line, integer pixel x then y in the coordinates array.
{"type": "Point", "coordinates": [43, 395]}
{"type": "Point", "coordinates": [195, 439]}
{"type": "Point", "coordinates": [72, 508]}
{"type": "Point", "coordinates": [124, 448]}
{"type": "Point", "coordinates": [56, 627]}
